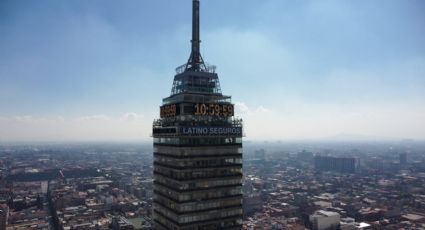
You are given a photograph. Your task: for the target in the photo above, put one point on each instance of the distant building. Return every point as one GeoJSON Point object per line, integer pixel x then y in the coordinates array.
{"type": "Point", "coordinates": [414, 218]}
{"type": "Point", "coordinates": [121, 223]}
{"type": "Point", "coordinates": [337, 164]}
{"type": "Point", "coordinates": [260, 154]}
{"type": "Point", "coordinates": [252, 203]}
{"type": "Point", "coordinates": [305, 156]}
{"type": "Point", "coordinates": [325, 220]}
{"type": "Point", "coordinates": [350, 224]}
{"type": "Point", "coordinates": [403, 158]}
{"type": "Point", "coordinates": [4, 214]}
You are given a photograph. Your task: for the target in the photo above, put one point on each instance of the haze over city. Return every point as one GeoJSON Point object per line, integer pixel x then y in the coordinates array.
{"type": "Point", "coordinates": [97, 70]}
{"type": "Point", "coordinates": [212, 115]}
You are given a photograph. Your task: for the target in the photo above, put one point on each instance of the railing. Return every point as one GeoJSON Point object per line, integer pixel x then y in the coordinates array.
{"type": "Point", "coordinates": [159, 123]}
{"type": "Point", "coordinates": [210, 68]}
{"type": "Point", "coordinates": [237, 122]}
{"type": "Point", "coordinates": [198, 99]}
{"type": "Point", "coordinates": [181, 69]}
{"type": "Point", "coordinates": [204, 68]}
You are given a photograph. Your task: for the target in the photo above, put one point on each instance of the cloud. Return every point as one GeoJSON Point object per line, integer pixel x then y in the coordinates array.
{"type": "Point", "coordinates": [24, 118]}
{"type": "Point", "coordinates": [132, 117]}
{"type": "Point", "coordinates": [99, 117]}
{"type": "Point", "coordinates": [262, 66]}
{"type": "Point", "coordinates": [256, 56]}
{"type": "Point", "coordinates": [301, 120]}
{"type": "Point", "coordinates": [261, 109]}
{"type": "Point", "coordinates": [375, 84]}
{"type": "Point", "coordinates": [243, 109]}
{"type": "Point", "coordinates": [128, 126]}
{"type": "Point", "coordinates": [288, 121]}
{"type": "Point", "coordinates": [313, 78]}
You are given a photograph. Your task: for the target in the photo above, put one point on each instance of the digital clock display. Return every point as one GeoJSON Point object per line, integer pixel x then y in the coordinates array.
{"type": "Point", "coordinates": [169, 110]}
{"type": "Point", "coordinates": [199, 109]}
{"type": "Point", "coordinates": [219, 110]}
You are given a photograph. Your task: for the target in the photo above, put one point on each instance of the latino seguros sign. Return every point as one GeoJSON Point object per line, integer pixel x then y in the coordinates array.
{"type": "Point", "coordinates": [211, 131]}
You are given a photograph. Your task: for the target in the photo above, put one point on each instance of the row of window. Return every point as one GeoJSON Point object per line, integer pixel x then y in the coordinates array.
{"type": "Point", "coordinates": [198, 206]}
{"type": "Point", "coordinates": [202, 184]}
{"type": "Point", "coordinates": [198, 195]}
{"type": "Point", "coordinates": [198, 173]}
{"type": "Point", "coordinates": [219, 225]}
{"type": "Point", "coordinates": [217, 161]}
{"type": "Point", "coordinates": [188, 151]}
{"type": "Point", "coordinates": [212, 215]}
{"type": "Point", "coordinates": [200, 85]}
{"type": "Point", "coordinates": [188, 218]}
{"type": "Point", "coordinates": [211, 226]}
{"type": "Point", "coordinates": [197, 141]}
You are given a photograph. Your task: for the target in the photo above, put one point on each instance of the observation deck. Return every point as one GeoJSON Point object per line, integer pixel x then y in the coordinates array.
{"type": "Point", "coordinates": [207, 68]}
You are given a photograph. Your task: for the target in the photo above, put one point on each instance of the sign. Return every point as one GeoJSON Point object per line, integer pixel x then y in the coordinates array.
{"type": "Point", "coordinates": [199, 109]}
{"type": "Point", "coordinates": [169, 110]}
{"type": "Point", "coordinates": [218, 110]}
{"type": "Point", "coordinates": [211, 131]}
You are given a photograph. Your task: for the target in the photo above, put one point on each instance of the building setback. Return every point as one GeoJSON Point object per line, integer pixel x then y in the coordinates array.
{"type": "Point", "coordinates": [197, 150]}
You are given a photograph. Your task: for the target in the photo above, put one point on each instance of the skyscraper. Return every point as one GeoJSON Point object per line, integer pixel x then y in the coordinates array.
{"type": "Point", "coordinates": [403, 158]}
{"type": "Point", "coordinates": [197, 150]}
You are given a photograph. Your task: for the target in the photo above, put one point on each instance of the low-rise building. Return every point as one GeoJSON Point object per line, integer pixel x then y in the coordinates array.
{"type": "Point", "coordinates": [325, 220]}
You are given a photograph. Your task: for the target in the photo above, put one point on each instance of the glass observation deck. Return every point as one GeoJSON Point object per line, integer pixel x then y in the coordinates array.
{"type": "Point", "coordinates": [203, 81]}
{"type": "Point", "coordinates": [204, 68]}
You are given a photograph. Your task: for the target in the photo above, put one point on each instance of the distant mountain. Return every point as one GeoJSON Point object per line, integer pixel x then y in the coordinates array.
{"type": "Point", "coordinates": [359, 137]}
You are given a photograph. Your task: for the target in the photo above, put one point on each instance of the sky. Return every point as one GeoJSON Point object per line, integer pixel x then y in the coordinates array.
{"type": "Point", "coordinates": [98, 70]}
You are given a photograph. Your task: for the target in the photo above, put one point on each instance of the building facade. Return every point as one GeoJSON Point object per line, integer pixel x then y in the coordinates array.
{"type": "Point", "coordinates": [325, 220]}
{"type": "Point", "coordinates": [197, 150]}
{"type": "Point", "coordinates": [337, 164]}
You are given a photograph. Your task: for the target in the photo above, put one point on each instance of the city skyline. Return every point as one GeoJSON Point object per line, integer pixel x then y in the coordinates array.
{"type": "Point", "coordinates": [97, 71]}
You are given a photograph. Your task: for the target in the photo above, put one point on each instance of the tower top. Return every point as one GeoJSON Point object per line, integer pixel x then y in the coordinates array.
{"type": "Point", "coordinates": [196, 76]}
{"type": "Point", "coordinates": [195, 62]}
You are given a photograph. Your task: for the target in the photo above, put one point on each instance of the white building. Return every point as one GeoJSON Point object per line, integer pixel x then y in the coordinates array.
{"type": "Point", "coordinates": [325, 220]}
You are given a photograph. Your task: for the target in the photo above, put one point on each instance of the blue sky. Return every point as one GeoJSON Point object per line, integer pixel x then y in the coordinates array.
{"type": "Point", "coordinates": [97, 70]}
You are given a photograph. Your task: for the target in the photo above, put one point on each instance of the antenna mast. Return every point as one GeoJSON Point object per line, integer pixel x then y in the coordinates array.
{"type": "Point", "coordinates": [195, 62]}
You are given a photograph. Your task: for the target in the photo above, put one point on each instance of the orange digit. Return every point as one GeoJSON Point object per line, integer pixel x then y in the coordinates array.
{"type": "Point", "coordinates": [217, 110]}
{"type": "Point", "coordinates": [230, 109]}
{"type": "Point", "coordinates": [203, 109]}
{"type": "Point", "coordinates": [224, 112]}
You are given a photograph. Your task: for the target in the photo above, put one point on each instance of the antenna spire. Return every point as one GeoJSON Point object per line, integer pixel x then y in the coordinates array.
{"type": "Point", "coordinates": [195, 60]}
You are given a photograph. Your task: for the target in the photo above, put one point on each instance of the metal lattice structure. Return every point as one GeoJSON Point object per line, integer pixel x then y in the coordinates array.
{"type": "Point", "coordinates": [196, 76]}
